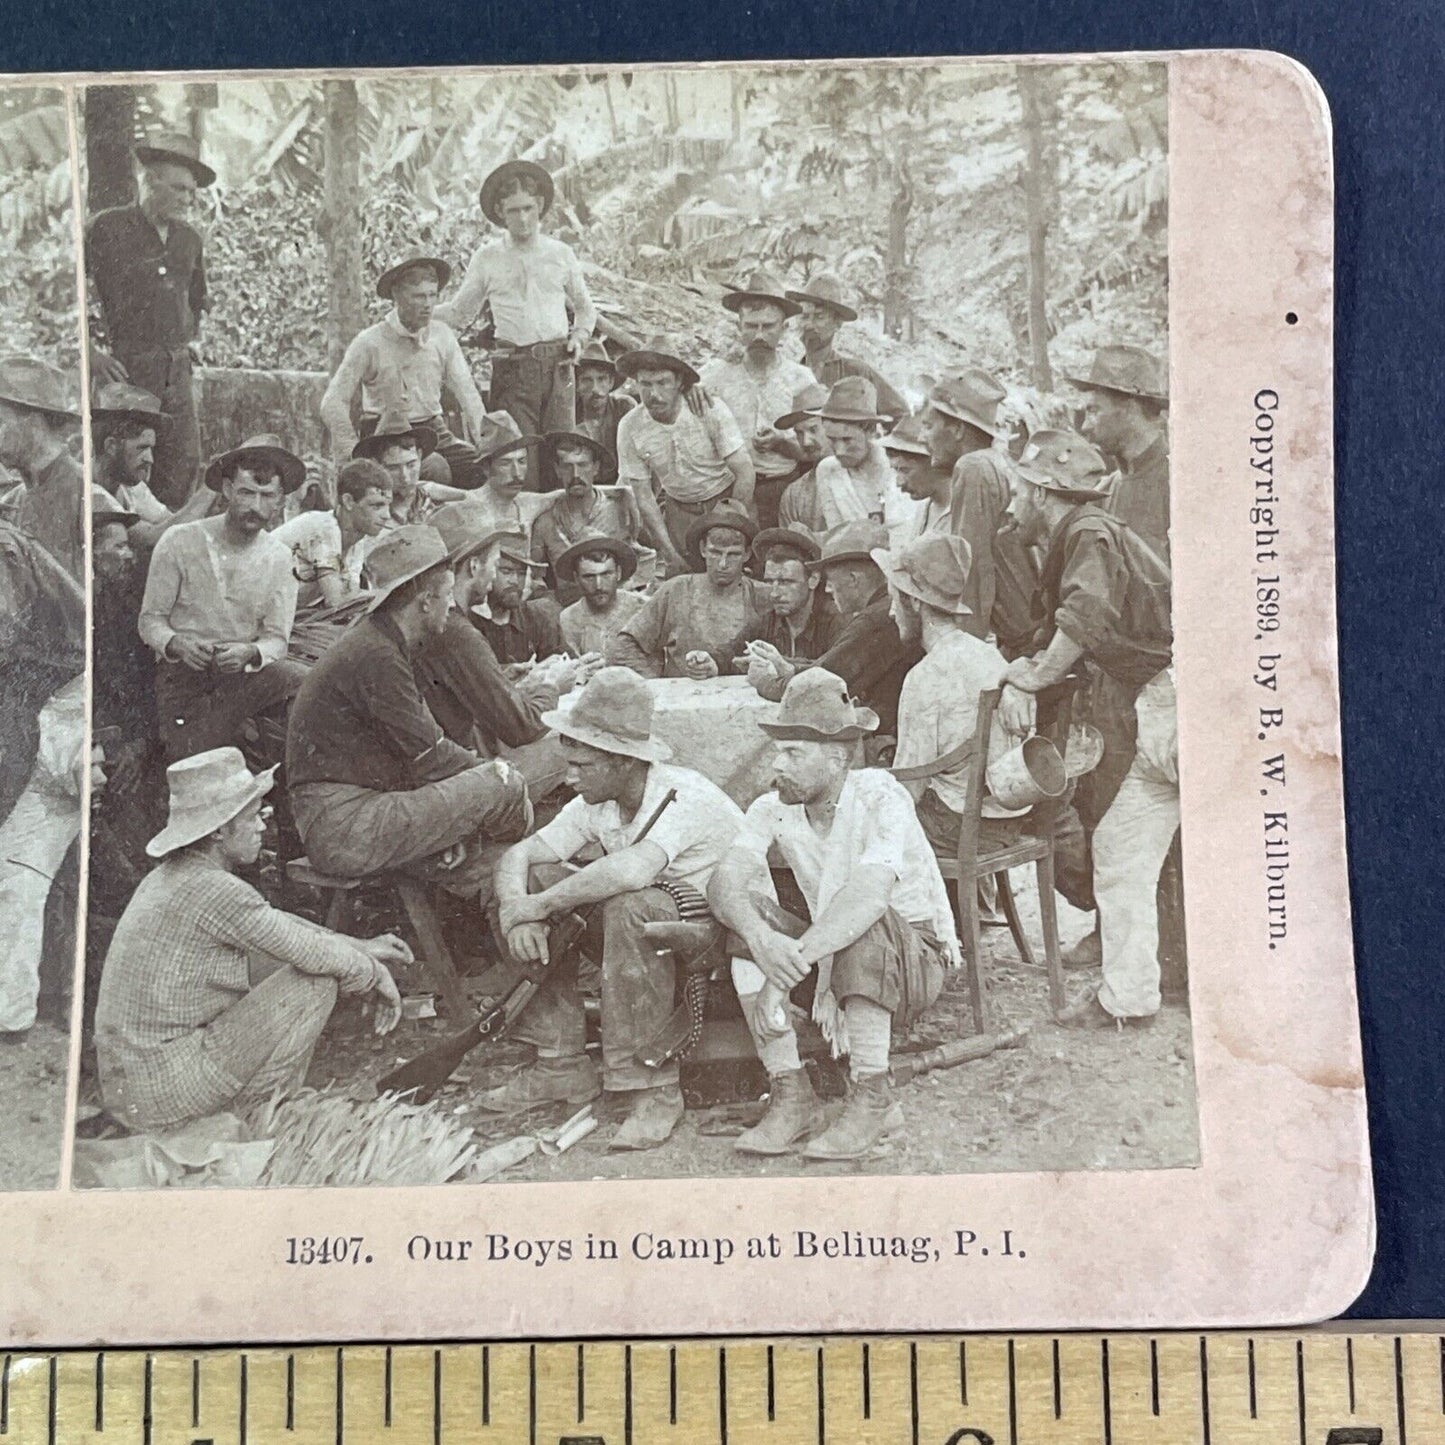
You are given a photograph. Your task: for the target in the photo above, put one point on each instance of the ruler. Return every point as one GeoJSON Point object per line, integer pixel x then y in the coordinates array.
{"type": "Point", "coordinates": [1215, 1389]}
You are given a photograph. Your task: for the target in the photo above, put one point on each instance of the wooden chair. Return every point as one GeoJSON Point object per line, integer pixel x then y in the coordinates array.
{"type": "Point", "coordinates": [968, 865]}
{"type": "Point", "coordinates": [416, 902]}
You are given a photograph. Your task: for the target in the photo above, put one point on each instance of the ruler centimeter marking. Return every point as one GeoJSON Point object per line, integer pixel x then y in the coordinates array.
{"type": "Point", "coordinates": [1120, 1389]}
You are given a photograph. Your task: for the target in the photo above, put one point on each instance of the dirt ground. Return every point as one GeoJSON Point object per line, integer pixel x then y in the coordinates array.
{"type": "Point", "coordinates": [32, 1105]}
{"type": "Point", "coordinates": [1062, 1099]}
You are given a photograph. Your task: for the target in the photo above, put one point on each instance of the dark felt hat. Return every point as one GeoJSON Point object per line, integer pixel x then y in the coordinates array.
{"type": "Point", "coordinates": [1127, 370]}
{"type": "Point", "coordinates": [402, 556]}
{"type": "Point", "coordinates": [506, 437]}
{"type": "Point", "coordinates": [824, 288]}
{"type": "Point", "coordinates": [728, 513]}
{"type": "Point", "coordinates": [177, 149]}
{"type": "Point", "coordinates": [118, 401]}
{"type": "Point", "coordinates": [388, 278]}
{"type": "Point", "coordinates": [393, 429]}
{"type": "Point", "coordinates": [933, 568]}
{"type": "Point", "coordinates": [626, 554]}
{"type": "Point", "coordinates": [35, 385]}
{"type": "Point", "coordinates": [853, 399]}
{"type": "Point", "coordinates": [809, 402]}
{"type": "Point", "coordinates": [105, 510]}
{"type": "Point", "coordinates": [852, 542]}
{"type": "Point", "coordinates": [595, 354]}
{"type": "Point", "coordinates": [266, 447]}
{"type": "Point", "coordinates": [1064, 463]}
{"type": "Point", "coordinates": [509, 171]}
{"type": "Point", "coordinates": [659, 354]}
{"type": "Point", "coordinates": [556, 439]}
{"type": "Point", "coordinates": [803, 543]}
{"type": "Point", "coordinates": [971, 395]}
{"type": "Point", "coordinates": [762, 286]}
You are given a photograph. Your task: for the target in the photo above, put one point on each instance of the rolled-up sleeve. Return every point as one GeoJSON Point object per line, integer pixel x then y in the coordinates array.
{"type": "Point", "coordinates": [1092, 587]}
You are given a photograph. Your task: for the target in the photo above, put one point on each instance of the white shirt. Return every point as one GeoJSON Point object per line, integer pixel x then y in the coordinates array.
{"type": "Point", "coordinates": [686, 457]}
{"type": "Point", "coordinates": [875, 825]}
{"type": "Point", "coordinates": [529, 289]}
{"type": "Point", "coordinates": [315, 542]}
{"type": "Point", "coordinates": [694, 831]}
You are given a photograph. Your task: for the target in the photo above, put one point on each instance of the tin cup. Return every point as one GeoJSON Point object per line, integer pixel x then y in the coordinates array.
{"type": "Point", "coordinates": [1033, 772]}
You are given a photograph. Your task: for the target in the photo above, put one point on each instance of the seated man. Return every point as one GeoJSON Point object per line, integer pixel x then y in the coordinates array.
{"type": "Point", "coordinates": [810, 446]}
{"type": "Point", "coordinates": [328, 549]}
{"type": "Point", "coordinates": [219, 602]}
{"type": "Point", "coordinates": [865, 653]}
{"type": "Point", "coordinates": [180, 1030]}
{"type": "Point", "coordinates": [855, 482]}
{"type": "Point", "coordinates": [681, 451]}
{"type": "Point", "coordinates": [802, 624]}
{"type": "Point", "coordinates": [376, 787]}
{"type": "Point", "coordinates": [502, 498]}
{"type": "Point", "coordinates": [404, 362]}
{"type": "Point", "coordinates": [581, 508]}
{"type": "Point", "coordinates": [407, 452]}
{"type": "Point", "coordinates": [694, 625]}
{"type": "Point", "coordinates": [519, 629]}
{"type": "Point", "coordinates": [466, 688]}
{"type": "Point", "coordinates": [125, 425]}
{"type": "Point", "coordinates": [598, 566]}
{"type": "Point", "coordinates": [624, 783]}
{"type": "Point", "coordinates": [881, 933]}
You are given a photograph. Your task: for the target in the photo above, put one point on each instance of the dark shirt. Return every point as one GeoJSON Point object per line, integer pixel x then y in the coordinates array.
{"type": "Point", "coordinates": [151, 291]}
{"type": "Point", "coordinates": [819, 632]}
{"type": "Point", "coordinates": [1002, 578]}
{"type": "Point", "coordinates": [1110, 593]}
{"type": "Point", "coordinates": [532, 631]}
{"type": "Point", "coordinates": [829, 367]}
{"type": "Point", "coordinates": [53, 512]}
{"type": "Point", "coordinates": [1141, 495]}
{"type": "Point", "coordinates": [123, 675]}
{"type": "Point", "coordinates": [470, 695]}
{"type": "Point", "coordinates": [359, 718]}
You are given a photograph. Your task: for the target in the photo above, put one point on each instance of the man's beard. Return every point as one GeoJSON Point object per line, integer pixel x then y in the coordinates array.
{"type": "Point", "coordinates": [762, 350]}
{"type": "Point", "coordinates": [594, 405]}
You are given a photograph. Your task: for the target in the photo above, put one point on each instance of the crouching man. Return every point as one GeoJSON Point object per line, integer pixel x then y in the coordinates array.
{"type": "Point", "coordinates": [180, 1030]}
{"type": "Point", "coordinates": [882, 932]}
{"type": "Point", "coordinates": [621, 775]}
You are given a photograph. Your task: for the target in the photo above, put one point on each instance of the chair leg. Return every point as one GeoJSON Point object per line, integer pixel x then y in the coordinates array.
{"type": "Point", "coordinates": [1049, 917]}
{"type": "Point", "coordinates": [973, 946]}
{"type": "Point", "coordinates": [435, 955]}
{"type": "Point", "coordinates": [1011, 912]}
{"type": "Point", "coordinates": [337, 911]}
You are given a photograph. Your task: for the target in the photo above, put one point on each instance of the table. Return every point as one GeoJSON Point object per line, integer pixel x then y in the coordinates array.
{"type": "Point", "coordinates": [712, 726]}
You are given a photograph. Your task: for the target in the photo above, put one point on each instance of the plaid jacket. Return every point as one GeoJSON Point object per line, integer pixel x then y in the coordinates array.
{"type": "Point", "coordinates": [181, 956]}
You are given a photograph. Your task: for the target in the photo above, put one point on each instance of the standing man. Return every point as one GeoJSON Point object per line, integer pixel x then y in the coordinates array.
{"type": "Point", "coordinates": [622, 777]}
{"type": "Point", "coordinates": [1126, 394]}
{"type": "Point", "coordinates": [881, 930]}
{"type": "Point", "coordinates": [679, 461]}
{"type": "Point", "coordinates": [930, 486]}
{"type": "Point", "coordinates": [694, 624]}
{"type": "Point", "coordinates": [220, 599]}
{"type": "Point", "coordinates": [149, 275]}
{"type": "Point", "coordinates": [597, 566]}
{"type": "Point", "coordinates": [824, 306]}
{"type": "Point", "coordinates": [533, 286]}
{"type": "Point", "coordinates": [962, 425]}
{"type": "Point", "coordinates": [375, 784]}
{"type": "Point", "coordinates": [581, 508]}
{"type": "Point", "coordinates": [801, 623]}
{"type": "Point", "coordinates": [402, 364]}
{"type": "Point", "coordinates": [1106, 597]}
{"type": "Point", "coordinates": [125, 425]}
{"type": "Point", "coordinates": [758, 384]}
{"type": "Point", "coordinates": [866, 652]}
{"type": "Point", "coordinates": [39, 414]}
{"type": "Point", "coordinates": [599, 407]}
{"type": "Point", "coordinates": [329, 548]}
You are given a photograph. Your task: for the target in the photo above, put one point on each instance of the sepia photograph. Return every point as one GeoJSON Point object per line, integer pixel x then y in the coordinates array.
{"type": "Point", "coordinates": [633, 624]}
{"type": "Point", "coordinates": [43, 757]}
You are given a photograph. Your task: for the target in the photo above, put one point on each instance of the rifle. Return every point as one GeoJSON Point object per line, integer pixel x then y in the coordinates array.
{"type": "Point", "coordinates": [946, 1056]}
{"type": "Point", "coordinates": [424, 1075]}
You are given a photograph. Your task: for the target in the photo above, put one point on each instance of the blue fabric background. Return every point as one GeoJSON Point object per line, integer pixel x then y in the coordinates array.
{"type": "Point", "coordinates": [1383, 69]}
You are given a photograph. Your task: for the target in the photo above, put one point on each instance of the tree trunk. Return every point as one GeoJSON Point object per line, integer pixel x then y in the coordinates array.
{"type": "Point", "coordinates": [737, 105]}
{"type": "Point", "coordinates": [895, 256]}
{"type": "Point", "coordinates": [109, 139]}
{"type": "Point", "coordinates": [1036, 187]}
{"type": "Point", "coordinates": [340, 220]}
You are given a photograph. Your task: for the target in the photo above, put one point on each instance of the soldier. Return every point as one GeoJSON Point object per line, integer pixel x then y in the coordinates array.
{"type": "Point", "coordinates": [599, 407]}
{"type": "Point", "coordinates": [39, 414]}
{"type": "Point", "coordinates": [824, 308]}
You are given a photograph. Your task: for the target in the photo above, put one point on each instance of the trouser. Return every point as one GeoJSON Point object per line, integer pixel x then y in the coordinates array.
{"type": "Point", "coordinates": [542, 763]}
{"type": "Point", "coordinates": [167, 376]}
{"type": "Point", "coordinates": [540, 394]}
{"type": "Point", "coordinates": [258, 1046]}
{"type": "Point", "coordinates": [1073, 872]}
{"type": "Point", "coordinates": [355, 832]}
{"type": "Point", "coordinates": [34, 840]}
{"type": "Point", "coordinates": [198, 711]}
{"type": "Point", "coordinates": [1130, 846]}
{"type": "Point", "coordinates": [458, 456]}
{"type": "Point", "coordinates": [678, 517]}
{"type": "Point", "coordinates": [768, 497]}
{"type": "Point", "coordinates": [638, 991]}
{"type": "Point", "coordinates": [893, 965]}
{"type": "Point", "coordinates": [1109, 706]}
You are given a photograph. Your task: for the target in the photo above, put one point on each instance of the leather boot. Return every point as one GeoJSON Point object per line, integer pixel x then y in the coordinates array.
{"type": "Point", "coordinates": [867, 1116]}
{"type": "Point", "coordinates": [654, 1116]}
{"type": "Point", "coordinates": [1088, 952]}
{"type": "Point", "coordinates": [548, 1081]}
{"type": "Point", "coordinates": [794, 1112]}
